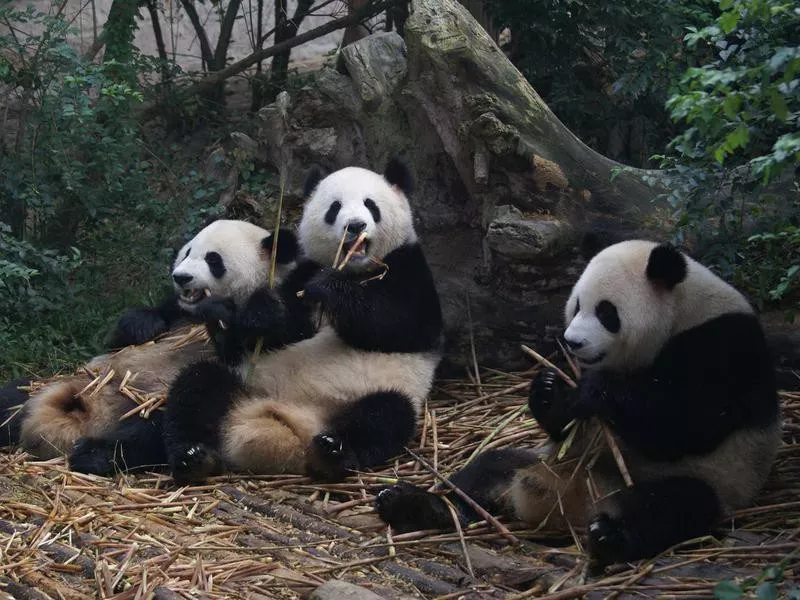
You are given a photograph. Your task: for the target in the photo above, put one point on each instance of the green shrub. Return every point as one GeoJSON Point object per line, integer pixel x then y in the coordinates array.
{"type": "Point", "coordinates": [733, 163]}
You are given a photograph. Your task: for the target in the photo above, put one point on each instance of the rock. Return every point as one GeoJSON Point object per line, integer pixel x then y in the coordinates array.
{"type": "Point", "coordinates": [341, 590]}
{"type": "Point", "coordinates": [245, 143]}
{"type": "Point", "coordinates": [376, 67]}
{"type": "Point", "coordinates": [515, 236]}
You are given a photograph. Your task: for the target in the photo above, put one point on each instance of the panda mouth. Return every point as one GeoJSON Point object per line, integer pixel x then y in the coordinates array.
{"type": "Point", "coordinates": [350, 242]}
{"type": "Point", "coordinates": [587, 362]}
{"type": "Point", "coordinates": [191, 296]}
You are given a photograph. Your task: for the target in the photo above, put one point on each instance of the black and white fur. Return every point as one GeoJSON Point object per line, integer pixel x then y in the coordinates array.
{"type": "Point", "coordinates": [676, 365]}
{"type": "Point", "coordinates": [68, 417]}
{"type": "Point", "coordinates": [325, 399]}
{"type": "Point", "coordinates": [224, 259]}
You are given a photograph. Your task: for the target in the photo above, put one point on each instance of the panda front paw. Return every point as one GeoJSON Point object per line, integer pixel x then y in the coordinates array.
{"type": "Point", "coordinates": [94, 456]}
{"type": "Point", "coordinates": [408, 508]}
{"type": "Point", "coordinates": [214, 310]}
{"type": "Point", "coordinates": [321, 285]}
{"type": "Point", "coordinates": [609, 542]}
{"type": "Point", "coordinates": [551, 403]}
{"type": "Point", "coordinates": [330, 458]}
{"type": "Point", "coordinates": [193, 463]}
{"type": "Point", "coordinates": [135, 327]}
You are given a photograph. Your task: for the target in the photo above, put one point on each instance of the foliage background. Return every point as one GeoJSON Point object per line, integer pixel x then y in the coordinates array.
{"type": "Point", "coordinates": [93, 200]}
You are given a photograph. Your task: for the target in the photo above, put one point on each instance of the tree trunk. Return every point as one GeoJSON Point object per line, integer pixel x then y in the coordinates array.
{"type": "Point", "coordinates": [163, 58]}
{"type": "Point", "coordinates": [285, 29]}
{"type": "Point", "coordinates": [528, 195]}
{"type": "Point", "coordinates": [506, 198]}
{"type": "Point", "coordinates": [206, 54]}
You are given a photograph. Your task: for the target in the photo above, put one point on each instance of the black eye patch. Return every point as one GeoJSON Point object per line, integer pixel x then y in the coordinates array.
{"type": "Point", "coordinates": [607, 314]}
{"type": "Point", "coordinates": [189, 249]}
{"type": "Point", "coordinates": [373, 209]}
{"type": "Point", "coordinates": [215, 264]}
{"type": "Point", "coordinates": [577, 307]}
{"type": "Point", "coordinates": [333, 210]}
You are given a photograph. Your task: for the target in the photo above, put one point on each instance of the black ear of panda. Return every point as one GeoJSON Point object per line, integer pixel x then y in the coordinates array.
{"type": "Point", "coordinates": [313, 177]}
{"type": "Point", "coordinates": [666, 266]}
{"type": "Point", "coordinates": [288, 248]}
{"type": "Point", "coordinates": [397, 173]}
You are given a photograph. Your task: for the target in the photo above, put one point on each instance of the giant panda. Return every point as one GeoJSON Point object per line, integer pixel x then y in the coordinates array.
{"type": "Point", "coordinates": [346, 356]}
{"type": "Point", "coordinates": [68, 416]}
{"type": "Point", "coordinates": [676, 366]}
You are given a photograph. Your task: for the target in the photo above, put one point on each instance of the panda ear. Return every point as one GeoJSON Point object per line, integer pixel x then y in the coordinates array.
{"type": "Point", "coordinates": [397, 173]}
{"type": "Point", "coordinates": [666, 266]}
{"type": "Point", "coordinates": [313, 177]}
{"type": "Point", "coordinates": [288, 248]}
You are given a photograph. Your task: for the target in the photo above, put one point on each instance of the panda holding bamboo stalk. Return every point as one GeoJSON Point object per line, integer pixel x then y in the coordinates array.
{"type": "Point", "coordinates": [673, 425]}
{"type": "Point", "coordinates": [328, 371]}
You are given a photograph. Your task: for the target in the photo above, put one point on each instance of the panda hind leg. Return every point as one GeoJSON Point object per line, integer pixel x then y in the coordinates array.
{"type": "Point", "coordinates": [487, 480]}
{"type": "Point", "coordinates": [365, 434]}
{"type": "Point", "coordinates": [646, 519]}
{"type": "Point", "coordinates": [135, 444]}
{"type": "Point", "coordinates": [197, 402]}
{"type": "Point", "coordinates": [267, 437]}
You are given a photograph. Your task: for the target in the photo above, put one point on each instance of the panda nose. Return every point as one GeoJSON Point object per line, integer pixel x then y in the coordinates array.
{"type": "Point", "coordinates": [573, 345]}
{"type": "Point", "coordinates": [181, 279]}
{"type": "Point", "coordinates": [356, 226]}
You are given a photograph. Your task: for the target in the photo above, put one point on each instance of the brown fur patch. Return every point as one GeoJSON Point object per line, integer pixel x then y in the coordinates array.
{"type": "Point", "coordinates": [549, 497]}
{"type": "Point", "coordinates": [57, 413]}
{"type": "Point", "coordinates": [266, 437]}
{"type": "Point", "coordinates": [57, 416]}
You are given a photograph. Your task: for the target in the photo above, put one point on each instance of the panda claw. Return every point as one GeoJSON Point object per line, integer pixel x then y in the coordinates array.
{"type": "Point", "coordinates": [406, 507]}
{"type": "Point", "coordinates": [330, 458]}
{"type": "Point", "coordinates": [194, 463]}
{"type": "Point", "coordinates": [608, 542]}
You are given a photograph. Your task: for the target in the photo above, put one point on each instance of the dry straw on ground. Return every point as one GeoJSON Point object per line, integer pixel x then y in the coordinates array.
{"type": "Point", "coordinates": [65, 535]}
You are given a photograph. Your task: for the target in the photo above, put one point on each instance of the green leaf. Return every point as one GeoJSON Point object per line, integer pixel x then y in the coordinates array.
{"type": "Point", "coordinates": [778, 104]}
{"type": "Point", "coordinates": [725, 4]}
{"type": "Point", "coordinates": [737, 138]}
{"type": "Point", "coordinates": [731, 106]}
{"type": "Point", "coordinates": [728, 21]}
{"type": "Point", "coordinates": [767, 591]}
{"type": "Point", "coordinates": [727, 590]}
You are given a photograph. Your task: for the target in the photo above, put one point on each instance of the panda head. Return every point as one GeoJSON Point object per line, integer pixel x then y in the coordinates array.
{"type": "Point", "coordinates": [633, 297]}
{"type": "Point", "coordinates": [229, 259]}
{"type": "Point", "coordinates": [351, 201]}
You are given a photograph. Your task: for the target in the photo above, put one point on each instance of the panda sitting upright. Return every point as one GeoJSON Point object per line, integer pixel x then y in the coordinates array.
{"type": "Point", "coordinates": [68, 416]}
{"type": "Point", "coordinates": [677, 367]}
{"type": "Point", "coordinates": [348, 394]}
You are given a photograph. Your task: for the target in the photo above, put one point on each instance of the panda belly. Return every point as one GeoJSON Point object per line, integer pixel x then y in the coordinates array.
{"type": "Point", "coordinates": [292, 394]}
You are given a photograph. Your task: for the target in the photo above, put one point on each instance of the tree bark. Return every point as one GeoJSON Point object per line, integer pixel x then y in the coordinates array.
{"type": "Point", "coordinates": [206, 53]}
{"type": "Point", "coordinates": [225, 31]}
{"type": "Point", "coordinates": [500, 111]}
{"type": "Point", "coordinates": [159, 37]}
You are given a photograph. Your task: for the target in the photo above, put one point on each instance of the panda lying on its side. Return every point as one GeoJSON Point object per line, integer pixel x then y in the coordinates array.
{"type": "Point", "coordinates": [348, 395]}
{"type": "Point", "coordinates": [228, 258]}
{"type": "Point", "coordinates": [676, 365]}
